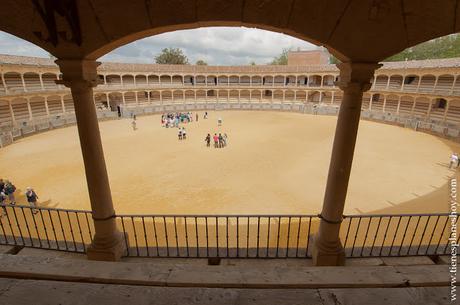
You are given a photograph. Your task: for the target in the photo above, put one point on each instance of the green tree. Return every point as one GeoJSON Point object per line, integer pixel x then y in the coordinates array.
{"type": "Point", "coordinates": [443, 47]}
{"type": "Point", "coordinates": [252, 63]}
{"type": "Point", "coordinates": [201, 62]}
{"type": "Point", "coordinates": [281, 59]}
{"type": "Point", "coordinates": [171, 56]}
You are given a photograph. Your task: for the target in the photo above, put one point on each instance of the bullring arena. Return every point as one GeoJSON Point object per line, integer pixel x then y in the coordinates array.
{"type": "Point", "coordinates": [268, 181]}
{"type": "Point", "coordinates": [286, 141]}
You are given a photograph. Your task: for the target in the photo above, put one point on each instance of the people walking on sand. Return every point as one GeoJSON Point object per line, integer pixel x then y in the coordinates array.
{"type": "Point", "coordinates": [208, 140]}
{"type": "Point", "coordinates": [454, 160]}
{"type": "Point", "coordinates": [196, 117]}
{"type": "Point", "coordinates": [219, 121]}
{"type": "Point", "coordinates": [179, 134]}
{"type": "Point", "coordinates": [134, 124]}
{"type": "Point", "coordinates": [205, 115]}
{"type": "Point", "coordinates": [225, 139]}
{"type": "Point", "coordinates": [216, 140]}
{"type": "Point", "coordinates": [221, 141]}
{"type": "Point", "coordinates": [32, 199]}
{"type": "Point", "coordinates": [9, 191]}
{"type": "Point", "coordinates": [184, 134]}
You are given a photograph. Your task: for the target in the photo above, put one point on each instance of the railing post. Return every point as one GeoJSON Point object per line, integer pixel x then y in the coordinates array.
{"type": "Point", "coordinates": [354, 80]}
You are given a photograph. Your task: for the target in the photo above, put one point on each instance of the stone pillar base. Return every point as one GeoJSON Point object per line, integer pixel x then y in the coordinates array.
{"type": "Point", "coordinates": [111, 253]}
{"type": "Point", "coordinates": [328, 257]}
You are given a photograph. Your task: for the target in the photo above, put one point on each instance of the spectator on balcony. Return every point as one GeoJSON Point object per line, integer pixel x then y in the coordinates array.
{"type": "Point", "coordinates": [32, 199]}
{"type": "Point", "coordinates": [9, 190]}
{"type": "Point", "coordinates": [3, 201]}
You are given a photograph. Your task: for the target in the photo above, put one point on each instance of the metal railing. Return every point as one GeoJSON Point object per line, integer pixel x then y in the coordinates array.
{"type": "Point", "coordinates": [228, 236]}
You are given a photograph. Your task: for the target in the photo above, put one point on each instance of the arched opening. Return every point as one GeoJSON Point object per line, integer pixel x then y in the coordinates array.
{"type": "Point", "coordinates": [444, 84]}
{"type": "Point", "coordinates": [427, 83]}
{"type": "Point", "coordinates": [32, 81]}
{"type": "Point", "coordinates": [396, 82]}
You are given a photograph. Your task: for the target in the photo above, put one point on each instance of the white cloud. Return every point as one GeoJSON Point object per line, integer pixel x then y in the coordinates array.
{"type": "Point", "coordinates": [215, 45]}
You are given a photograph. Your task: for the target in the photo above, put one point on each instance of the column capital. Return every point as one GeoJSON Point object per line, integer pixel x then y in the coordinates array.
{"type": "Point", "coordinates": [78, 72]}
{"type": "Point", "coordinates": [356, 76]}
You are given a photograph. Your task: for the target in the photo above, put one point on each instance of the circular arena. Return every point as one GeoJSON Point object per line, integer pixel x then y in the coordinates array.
{"type": "Point", "coordinates": [274, 162]}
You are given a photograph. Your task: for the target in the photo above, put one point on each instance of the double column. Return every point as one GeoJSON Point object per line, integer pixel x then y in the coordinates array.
{"type": "Point", "coordinates": [81, 76]}
{"type": "Point", "coordinates": [354, 80]}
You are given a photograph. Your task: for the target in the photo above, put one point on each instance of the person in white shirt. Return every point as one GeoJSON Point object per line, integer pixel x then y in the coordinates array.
{"type": "Point", "coordinates": [453, 160]}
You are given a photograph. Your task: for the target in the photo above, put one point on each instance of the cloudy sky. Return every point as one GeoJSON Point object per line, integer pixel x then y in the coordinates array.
{"type": "Point", "coordinates": [215, 45]}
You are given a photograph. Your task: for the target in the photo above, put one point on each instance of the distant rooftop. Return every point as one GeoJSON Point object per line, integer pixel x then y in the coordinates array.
{"type": "Point", "coordinates": [111, 66]}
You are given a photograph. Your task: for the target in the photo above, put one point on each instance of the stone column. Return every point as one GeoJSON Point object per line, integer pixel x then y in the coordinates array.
{"type": "Point", "coordinates": [354, 80]}
{"type": "Point", "coordinates": [81, 76]}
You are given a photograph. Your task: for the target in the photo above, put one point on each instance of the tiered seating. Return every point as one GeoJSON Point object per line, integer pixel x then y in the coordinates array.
{"type": "Point", "coordinates": [395, 82]}
{"type": "Point", "coordinates": [377, 102]}
{"type": "Point", "coordinates": [278, 80]}
{"type": "Point", "coordinates": [438, 108]}
{"type": "Point", "coordinates": [391, 104]}
{"type": "Point", "coordinates": [278, 96]}
{"type": "Point", "coordinates": [328, 80]}
{"type": "Point", "coordinates": [177, 80]}
{"type": "Point", "coordinates": [20, 109]}
{"type": "Point", "coordinates": [130, 99]}
{"type": "Point", "coordinates": [2, 86]}
{"type": "Point", "coordinates": [13, 82]}
{"type": "Point", "coordinates": [456, 90]}
{"type": "Point", "coordinates": [314, 81]}
{"type": "Point", "coordinates": [54, 105]}
{"type": "Point", "coordinates": [211, 80]}
{"type": "Point", "coordinates": [200, 80]}
{"type": "Point", "coordinates": [267, 80]}
{"type": "Point", "coordinates": [256, 81]}
{"type": "Point", "coordinates": [453, 113]}
{"type": "Point", "coordinates": [234, 80]}
{"type": "Point", "coordinates": [290, 80]}
{"type": "Point", "coordinates": [166, 96]}
{"type": "Point", "coordinates": [300, 96]}
{"type": "Point", "coordinates": [32, 81]}
{"type": "Point", "coordinates": [365, 101]}
{"type": "Point", "coordinates": [244, 95]}
{"type": "Point", "coordinates": [68, 104]}
{"type": "Point", "coordinates": [165, 79]}
{"type": "Point", "coordinates": [302, 80]}
{"type": "Point", "coordinates": [410, 83]}
{"type": "Point", "coordinates": [142, 98]}
{"type": "Point", "coordinates": [338, 96]}
{"type": "Point", "coordinates": [141, 80]}
{"type": "Point", "coordinates": [245, 80]}
{"type": "Point", "coordinates": [128, 80]}
{"type": "Point", "coordinates": [421, 107]}
{"type": "Point", "coordinates": [381, 82]}
{"type": "Point", "coordinates": [153, 80]}
{"type": "Point", "coordinates": [113, 80]}
{"type": "Point", "coordinates": [427, 83]}
{"type": "Point", "coordinates": [5, 115]}
{"type": "Point", "coordinates": [314, 97]}
{"type": "Point", "coordinates": [49, 81]}
{"type": "Point", "coordinates": [37, 105]}
{"type": "Point", "coordinates": [155, 97]}
{"type": "Point", "coordinates": [444, 85]}
{"type": "Point", "coordinates": [178, 97]}
{"type": "Point", "coordinates": [405, 106]}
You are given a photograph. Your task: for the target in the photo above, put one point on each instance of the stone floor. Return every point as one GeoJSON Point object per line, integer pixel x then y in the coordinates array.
{"type": "Point", "coordinates": [31, 276]}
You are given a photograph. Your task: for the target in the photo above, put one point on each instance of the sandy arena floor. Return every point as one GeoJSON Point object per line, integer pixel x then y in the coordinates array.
{"type": "Point", "coordinates": [275, 163]}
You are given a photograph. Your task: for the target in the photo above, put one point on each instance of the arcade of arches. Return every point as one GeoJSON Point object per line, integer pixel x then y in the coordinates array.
{"type": "Point", "coordinates": [360, 33]}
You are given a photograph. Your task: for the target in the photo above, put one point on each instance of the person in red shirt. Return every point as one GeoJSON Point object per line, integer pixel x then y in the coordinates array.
{"type": "Point", "coordinates": [216, 140]}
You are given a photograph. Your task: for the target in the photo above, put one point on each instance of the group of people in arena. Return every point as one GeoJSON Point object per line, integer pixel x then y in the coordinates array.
{"type": "Point", "coordinates": [173, 119]}
{"type": "Point", "coordinates": [7, 193]}
{"type": "Point", "coordinates": [220, 141]}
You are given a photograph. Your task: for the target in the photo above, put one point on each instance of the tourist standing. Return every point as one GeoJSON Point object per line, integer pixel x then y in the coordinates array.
{"type": "Point", "coordinates": [184, 133]}
{"type": "Point", "coordinates": [221, 141]}
{"type": "Point", "coordinates": [196, 117]}
{"type": "Point", "coordinates": [219, 121]}
{"type": "Point", "coordinates": [454, 160]}
{"type": "Point", "coordinates": [32, 199]}
{"type": "Point", "coordinates": [3, 201]}
{"type": "Point", "coordinates": [225, 139]}
{"type": "Point", "coordinates": [208, 140]}
{"type": "Point", "coordinates": [9, 191]}
{"type": "Point", "coordinates": [216, 140]}
{"type": "Point", "coordinates": [134, 124]}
